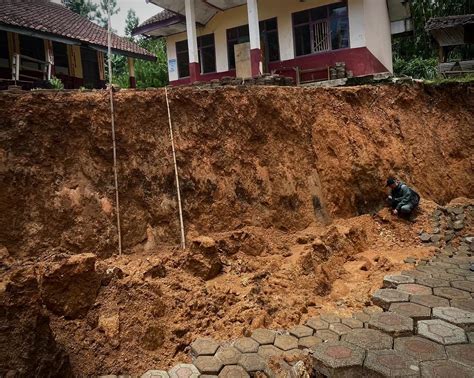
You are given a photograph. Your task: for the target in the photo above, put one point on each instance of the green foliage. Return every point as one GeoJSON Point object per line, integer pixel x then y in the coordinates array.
{"type": "Point", "coordinates": [106, 6]}
{"type": "Point", "coordinates": [147, 74]}
{"type": "Point", "coordinates": [419, 44]}
{"type": "Point", "coordinates": [131, 22]}
{"type": "Point", "coordinates": [152, 74]}
{"type": "Point", "coordinates": [417, 68]}
{"type": "Point", "coordinates": [56, 83]}
{"type": "Point", "coordinates": [83, 7]}
{"type": "Point", "coordinates": [416, 55]}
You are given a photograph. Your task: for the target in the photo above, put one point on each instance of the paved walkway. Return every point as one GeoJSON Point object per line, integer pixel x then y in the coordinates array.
{"type": "Point", "coordinates": [422, 324]}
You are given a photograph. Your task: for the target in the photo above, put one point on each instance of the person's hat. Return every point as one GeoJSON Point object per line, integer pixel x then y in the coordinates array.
{"type": "Point", "coordinates": [391, 181]}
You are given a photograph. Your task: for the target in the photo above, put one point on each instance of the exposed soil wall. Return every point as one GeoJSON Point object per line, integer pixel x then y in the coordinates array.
{"type": "Point", "coordinates": [267, 157]}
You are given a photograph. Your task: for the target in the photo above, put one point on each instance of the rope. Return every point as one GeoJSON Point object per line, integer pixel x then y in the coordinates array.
{"type": "Point", "coordinates": [112, 117]}
{"type": "Point", "coordinates": [183, 239]}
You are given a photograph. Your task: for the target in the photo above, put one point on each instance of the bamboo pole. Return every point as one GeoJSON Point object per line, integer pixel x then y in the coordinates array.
{"type": "Point", "coordinates": [180, 209]}
{"type": "Point", "coordinates": [112, 117]}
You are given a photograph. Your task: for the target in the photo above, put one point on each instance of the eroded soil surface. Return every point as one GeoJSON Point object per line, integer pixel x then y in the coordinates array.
{"type": "Point", "coordinates": [283, 201]}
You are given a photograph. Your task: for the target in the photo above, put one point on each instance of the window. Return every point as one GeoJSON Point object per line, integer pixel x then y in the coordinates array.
{"type": "Point", "coordinates": [33, 48]}
{"type": "Point", "coordinates": [321, 29]}
{"type": "Point", "coordinates": [4, 53]}
{"type": "Point", "coordinates": [90, 67]}
{"type": "Point", "coordinates": [182, 55]}
{"type": "Point", "coordinates": [207, 55]}
{"type": "Point", "coordinates": [271, 45]}
{"type": "Point", "coordinates": [268, 36]}
{"type": "Point", "coordinates": [61, 62]}
{"type": "Point", "coordinates": [236, 36]}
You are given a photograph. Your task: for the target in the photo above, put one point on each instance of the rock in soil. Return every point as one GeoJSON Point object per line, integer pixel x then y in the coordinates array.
{"type": "Point", "coordinates": [69, 287]}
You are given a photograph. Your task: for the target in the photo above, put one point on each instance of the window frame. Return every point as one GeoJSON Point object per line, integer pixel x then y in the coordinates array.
{"type": "Point", "coordinates": [310, 23]}
{"type": "Point", "coordinates": [229, 40]}
{"type": "Point", "coordinates": [263, 34]}
{"type": "Point", "coordinates": [200, 47]}
{"type": "Point", "coordinates": [4, 54]}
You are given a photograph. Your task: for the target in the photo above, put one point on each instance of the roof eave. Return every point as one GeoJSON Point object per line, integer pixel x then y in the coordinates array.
{"type": "Point", "coordinates": [158, 25]}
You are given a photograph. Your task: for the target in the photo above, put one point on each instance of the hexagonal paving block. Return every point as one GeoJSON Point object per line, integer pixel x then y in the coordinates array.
{"type": "Point", "coordinates": [392, 323]}
{"type": "Point", "coordinates": [385, 297]}
{"type": "Point", "coordinates": [184, 371]}
{"type": "Point", "coordinates": [392, 281]}
{"type": "Point", "coordinates": [463, 304]}
{"type": "Point", "coordinates": [463, 285]}
{"type": "Point", "coordinates": [463, 354]}
{"type": "Point", "coordinates": [442, 332]}
{"type": "Point", "coordinates": [456, 316]}
{"type": "Point", "coordinates": [414, 273]}
{"type": "Point", "coordinates": [327, 335]}
{"type": "Point", "coordinates": [361, 316]}
{"type": "Point", "coordinates": [448, 276]}
{"type": "Point", "coordinates": [330, 318]}
{"type": "Point", "coordinates": [208, 364]}
{"type": "Point", "coordinates": [353, 323]}
{"type": "Point", "coordinates": [429, 300]}
{"type": "Point", "coordinates": [286, 342]}
{"type": "Point", "coordinates": [391, 363]}
{"type": "Point", "coordinates": [371, 310]}
{"type": "Point", "coordinates": [246, 345]}
{"type": "Point", "coordinates": [451, 293]}
{"type": "Point", "coordinates": [415, 289]}
{"type": "Point", "coordinates": [339, 328]}
{"type": "Point", "coordinates": [309, 342]}
{"type": "Point", "coordinates": [268, 351]}
{"type": "Point", "coordinates": [228, 355]}
{"type": "Point", "coordinates": [428, 269]}
{"type": "Point", "coordinates": [155, 374]}
{"type": "Point", "coordinates": [458, 271]}
{"type": "Point", "coordinates": [432, 282]}
{"type": "Point", "coordinates": [294, 355]}
{"type": "Point", "coordinates": [419, 348]}
{"type": "Point", "coordinates": [252, 362]}
{"type": "Point", "coordinates": [204, 347]}
{"type": "Point", "coordinates": [444, 368]}
{"type": "Point", "coordinates": [263, 336]}
{"type": "Point", "coordinates": [317, 324]}
{"type": "Point", "coordinates": [233, 372]}
{"type": "Point", "coordinates": [301, 331]}
{"type": "Point", "coordinates": [369, 339]}
{"type": "Point", "coordinates": [340, 356]}
{"type": "Point", "coordinates": [411, 310]}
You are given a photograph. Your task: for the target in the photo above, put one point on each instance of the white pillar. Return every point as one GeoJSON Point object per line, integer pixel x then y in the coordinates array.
{"type": "Point", "coordinates": [254, 28]}
{"type": "Point", "coordinates": [192, 40]}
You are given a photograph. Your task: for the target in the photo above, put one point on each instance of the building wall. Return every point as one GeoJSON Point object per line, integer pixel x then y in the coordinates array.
{"type": "Point", "coordinates": [377, 31]}
{"type": "Point", "coordinates": [359, 14]}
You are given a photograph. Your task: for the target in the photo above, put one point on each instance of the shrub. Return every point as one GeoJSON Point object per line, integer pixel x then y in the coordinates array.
{"type": "Point", "coordinates": [417, 68]}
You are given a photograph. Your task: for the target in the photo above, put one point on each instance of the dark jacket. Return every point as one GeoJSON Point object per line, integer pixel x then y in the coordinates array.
{"type": "Point", "coordinates": [403, 195]}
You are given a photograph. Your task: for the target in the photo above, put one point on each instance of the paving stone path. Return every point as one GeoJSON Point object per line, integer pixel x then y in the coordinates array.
{"type": "Point", "coordinates": [422, 325]}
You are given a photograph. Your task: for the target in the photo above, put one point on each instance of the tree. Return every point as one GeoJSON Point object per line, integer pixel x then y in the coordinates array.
{"type": "Point", "coordinates": [105, 7]}
{"type": "Point", "coordinates": [83, 7]}
{"type": "Point", "coordinates": [131, 22]}
{"type": "Point", "coordinates": [147, 74]}
{"type": "Point", "coordinates": [415, 55]}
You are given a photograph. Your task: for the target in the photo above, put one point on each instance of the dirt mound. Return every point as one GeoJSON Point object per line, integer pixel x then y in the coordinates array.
{"type": "Point", "coordinates": [263, 157]}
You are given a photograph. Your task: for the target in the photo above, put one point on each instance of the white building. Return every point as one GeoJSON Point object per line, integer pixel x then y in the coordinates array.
{"type": "Point", "coordinates": [285, 36]}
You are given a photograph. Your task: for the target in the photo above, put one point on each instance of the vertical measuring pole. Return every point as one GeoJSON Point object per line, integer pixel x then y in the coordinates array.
{"type": "Point", "coordinates": [112, 117]}
{"type": "Point", "coordinates": [180, 208]}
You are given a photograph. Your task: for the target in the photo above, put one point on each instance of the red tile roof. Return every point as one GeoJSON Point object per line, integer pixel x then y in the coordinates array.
{"type": "Point", "coordinates": [46, 17]}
